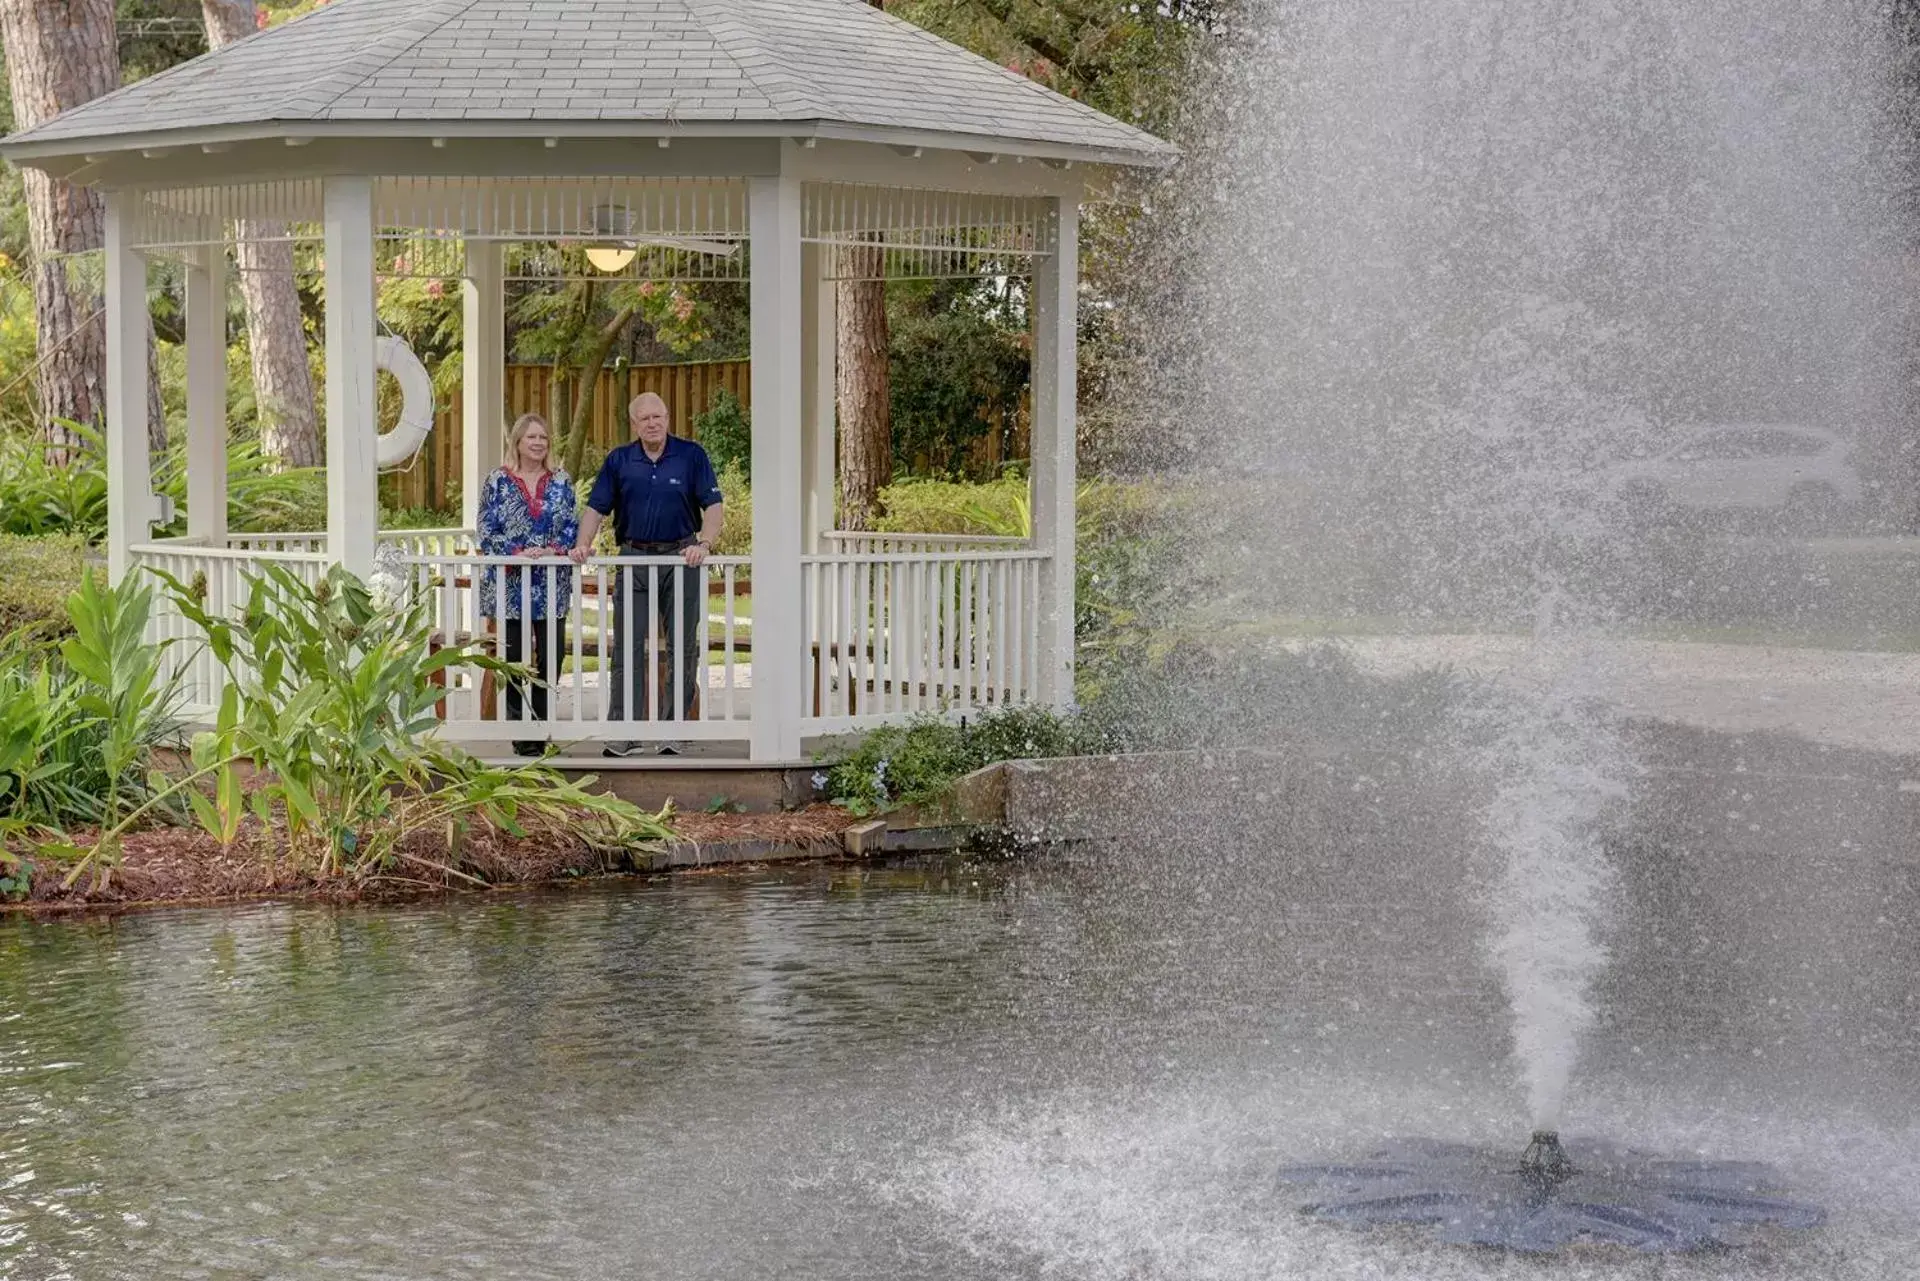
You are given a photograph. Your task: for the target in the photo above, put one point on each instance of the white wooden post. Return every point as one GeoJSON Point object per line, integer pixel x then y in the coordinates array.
{"type": "Point", "coordinates": [131, 508]}
{"type": "Point", "coordinates": [818, 348]}
{"type": "Point", "coordinates": [207, 396]}
{"type": "Point", "coordinates": [779, 654]}
{"type": "Point", "coordinates": [483, 373]}
{"type": "Point", "coordinates": [353, 473]}
{"type": "Point", "coordinates": [1055, 432]}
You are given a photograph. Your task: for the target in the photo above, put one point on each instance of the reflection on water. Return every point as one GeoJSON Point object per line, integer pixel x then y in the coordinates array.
{"type": "Point", "coordinates": [1085, 1066]}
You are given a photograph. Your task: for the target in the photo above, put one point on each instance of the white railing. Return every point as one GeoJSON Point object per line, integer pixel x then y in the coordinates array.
{"type": "Point", "coordinates": [431, 542]}
{"type": "Point", "coordinates": [883, 636]}
{"type": "Point", "coordinates": [221, 577]}
{"type": "Point", "coordinates": [891, 635]}
{"type": "Point", "coordinates": [304, 544]}
{"type": "Point", "coordinates": [848, 542]}
{"type": "Point", "coordinates": [413, 542]}
{"type": "Point", "coordinates": [714, 688]}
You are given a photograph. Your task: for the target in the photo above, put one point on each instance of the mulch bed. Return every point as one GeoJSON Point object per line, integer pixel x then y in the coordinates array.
{"type": "Point", "coordinates": [179, 865]}
{"type": "Point", "coordinates": [814, 825]}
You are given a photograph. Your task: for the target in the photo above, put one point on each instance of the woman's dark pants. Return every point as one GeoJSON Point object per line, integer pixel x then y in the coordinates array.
{"type": "Point", "coordinates": [526, 642]}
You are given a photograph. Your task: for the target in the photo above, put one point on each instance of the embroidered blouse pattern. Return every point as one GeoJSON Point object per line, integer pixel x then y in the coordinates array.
{"type": "Point", "coordinates": [508, 523]}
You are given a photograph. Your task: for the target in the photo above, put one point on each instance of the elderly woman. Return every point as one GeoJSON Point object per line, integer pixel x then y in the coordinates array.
{"type": "Point", "coordinates": [527, 509]}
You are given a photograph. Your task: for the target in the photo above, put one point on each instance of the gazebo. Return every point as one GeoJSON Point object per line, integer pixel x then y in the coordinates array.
{"type": "Point", "coordinates": [789, 144]}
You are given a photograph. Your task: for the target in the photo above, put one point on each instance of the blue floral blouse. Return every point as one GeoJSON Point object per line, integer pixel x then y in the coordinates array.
{"type": "Point", "coordinates": [512, 518]}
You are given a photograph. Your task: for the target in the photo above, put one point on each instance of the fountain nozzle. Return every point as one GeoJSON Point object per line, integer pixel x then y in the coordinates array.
{"type": "Point", "coordinates": [1545, 1161]}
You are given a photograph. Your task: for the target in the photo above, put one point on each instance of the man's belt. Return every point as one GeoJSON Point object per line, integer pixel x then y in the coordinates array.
{"type": "Point", "coordinates": [656, 549]}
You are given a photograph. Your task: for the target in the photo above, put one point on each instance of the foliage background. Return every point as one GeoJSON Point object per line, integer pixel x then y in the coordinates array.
{"type": "Point", "coordinates": [959, 357]}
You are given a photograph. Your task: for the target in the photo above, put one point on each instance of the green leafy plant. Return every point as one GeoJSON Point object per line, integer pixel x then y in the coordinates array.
{"type": "Point", "coordinates": [39, 497]}
{"type": "Point", "coordinates": [261, 497]}
{"type": "Point", "coordinates": [421, 517]}
{"type": "Point", "coordinates": [918, 762]}
{"type": "Point", "coordinates": [332, 700]}
{"type": "Point", "coordinates": [80, 720]}
{"type": "Point", "coordinates": [16, 876]}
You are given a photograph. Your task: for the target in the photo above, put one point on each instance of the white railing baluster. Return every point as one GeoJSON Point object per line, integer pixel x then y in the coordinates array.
{"type": "Point", "coordinates": [651, 651]}
{"type": "Point", "coordinates": [678, 658]}
{"type": "Point", "coordinates": [552, 650]}
{"type": "Point", "coordinates": [894, 701]}
{"type": "Point", "coordinates": [908, 626]}
{"type": "Point", "coordinates": [949, 629]}
{"type": "Point", "coordinates": [1030, 649]}
{"type": "Point", "coordinates": [963, 639]}
{"type": "Point", "coordinates": [603, 607]}
{"type": "Point", "coordinates": [575, 632]}
{"type": "Point", "coordinates": [835, 660]}
{"type": "Point", "coordinates": [726, 654]}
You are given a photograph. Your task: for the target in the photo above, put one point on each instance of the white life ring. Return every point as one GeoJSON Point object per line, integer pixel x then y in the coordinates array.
{"type": "Point", "coordinates": [416, 401]}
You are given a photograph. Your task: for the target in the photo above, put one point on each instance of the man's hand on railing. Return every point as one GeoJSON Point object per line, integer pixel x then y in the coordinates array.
{"type": "Point", "coordinates": [579, 555]}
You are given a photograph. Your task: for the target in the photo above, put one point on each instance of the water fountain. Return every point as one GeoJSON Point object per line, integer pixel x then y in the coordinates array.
{"type": "Point", "coordinates": [1449, 271]}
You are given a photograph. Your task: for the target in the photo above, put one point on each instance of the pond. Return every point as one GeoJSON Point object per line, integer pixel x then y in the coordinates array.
{"type": "Point", "coordinates": [1081, 1065]}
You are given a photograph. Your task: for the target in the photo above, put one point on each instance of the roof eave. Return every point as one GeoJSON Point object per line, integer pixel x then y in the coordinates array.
{"type": "Point", "coordinates": [63, 155]}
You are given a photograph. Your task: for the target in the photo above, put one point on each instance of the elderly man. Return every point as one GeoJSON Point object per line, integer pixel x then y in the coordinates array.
{"type": "Point", "coordinates": [664, 500]}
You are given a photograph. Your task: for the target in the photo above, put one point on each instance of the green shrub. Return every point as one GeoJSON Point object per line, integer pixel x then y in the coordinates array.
{"type": "Point", "coordinates": [725, 430]}
{"type": "Point", "coordinates": [918, 762]}
{"type": "Point", "coordinates": [260, 498]}
{"type": "Point", "coordinates": [414, 518]}
{"type": "Point", "coordinates": [1133, 577]}
{"type": "Point", "coordinates": [332, 697]}
{"type": "Point", "coordinates": [80, 719]}
{"type": "Point", "coordinates": [736, 536]}
{"type": "Point", "coordinates": [37, 497]}
{"type": "Point", "coordinates": [932, 506]}
{"type": "Point", "coordinates": [36, 576]}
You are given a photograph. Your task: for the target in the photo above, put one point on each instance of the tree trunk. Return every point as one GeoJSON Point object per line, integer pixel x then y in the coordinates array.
{"type": "Point", "coordinates": [282, 378]}
{"type": "Point", "coordinates": [156, 408]}
{"type": "Point", "coordinates": [591, 363]}
{"type": "Point", "coordinates": [61, 53]}
{"type": "Point", "coordinates": [866, 425]}
{"type": "Point", "coordinates": [560, 403]}
{"type": "Point", "coordinates": [866, 415]}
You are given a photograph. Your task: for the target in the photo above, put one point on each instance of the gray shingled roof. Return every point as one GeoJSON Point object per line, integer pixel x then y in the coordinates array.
{"type": "Point", "coordinates": [604, 61]}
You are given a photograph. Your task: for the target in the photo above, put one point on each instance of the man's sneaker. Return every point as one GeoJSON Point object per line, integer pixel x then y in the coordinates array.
{"type": "Point", "coordinates": [624, 748]}
{"type": "Point", "coordinates": [528, 747]}
{"type": "Point", "coordinates": [668, 748]}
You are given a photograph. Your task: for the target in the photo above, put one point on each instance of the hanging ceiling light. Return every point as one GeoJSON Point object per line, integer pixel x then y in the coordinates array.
{"type": "Point", "coordinates": [612, 257]}
{"type": "Point", "coordinates": [615, 247]}
{"type": "Point", "coordinates": [612, 251]}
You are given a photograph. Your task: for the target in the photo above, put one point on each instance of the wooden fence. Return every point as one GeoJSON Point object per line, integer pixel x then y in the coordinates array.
{"type": "Point", "coordinates": [432, 479]}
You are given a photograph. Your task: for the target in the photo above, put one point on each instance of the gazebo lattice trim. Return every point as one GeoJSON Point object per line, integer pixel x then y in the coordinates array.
{"type": "Point", "coordinates": [684, 229]}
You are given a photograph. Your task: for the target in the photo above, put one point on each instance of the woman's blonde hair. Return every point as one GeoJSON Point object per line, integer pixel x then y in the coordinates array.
{"type": "Point", "coordinates": [511, 459]}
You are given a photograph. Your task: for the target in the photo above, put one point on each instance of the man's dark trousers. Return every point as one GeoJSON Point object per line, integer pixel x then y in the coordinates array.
{"type": "Point", "coordinates": [642, 595]}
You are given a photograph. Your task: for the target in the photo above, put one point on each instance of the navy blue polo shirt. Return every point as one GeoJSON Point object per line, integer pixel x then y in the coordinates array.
{"type": "Point", "coordinates": [655, 502]}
